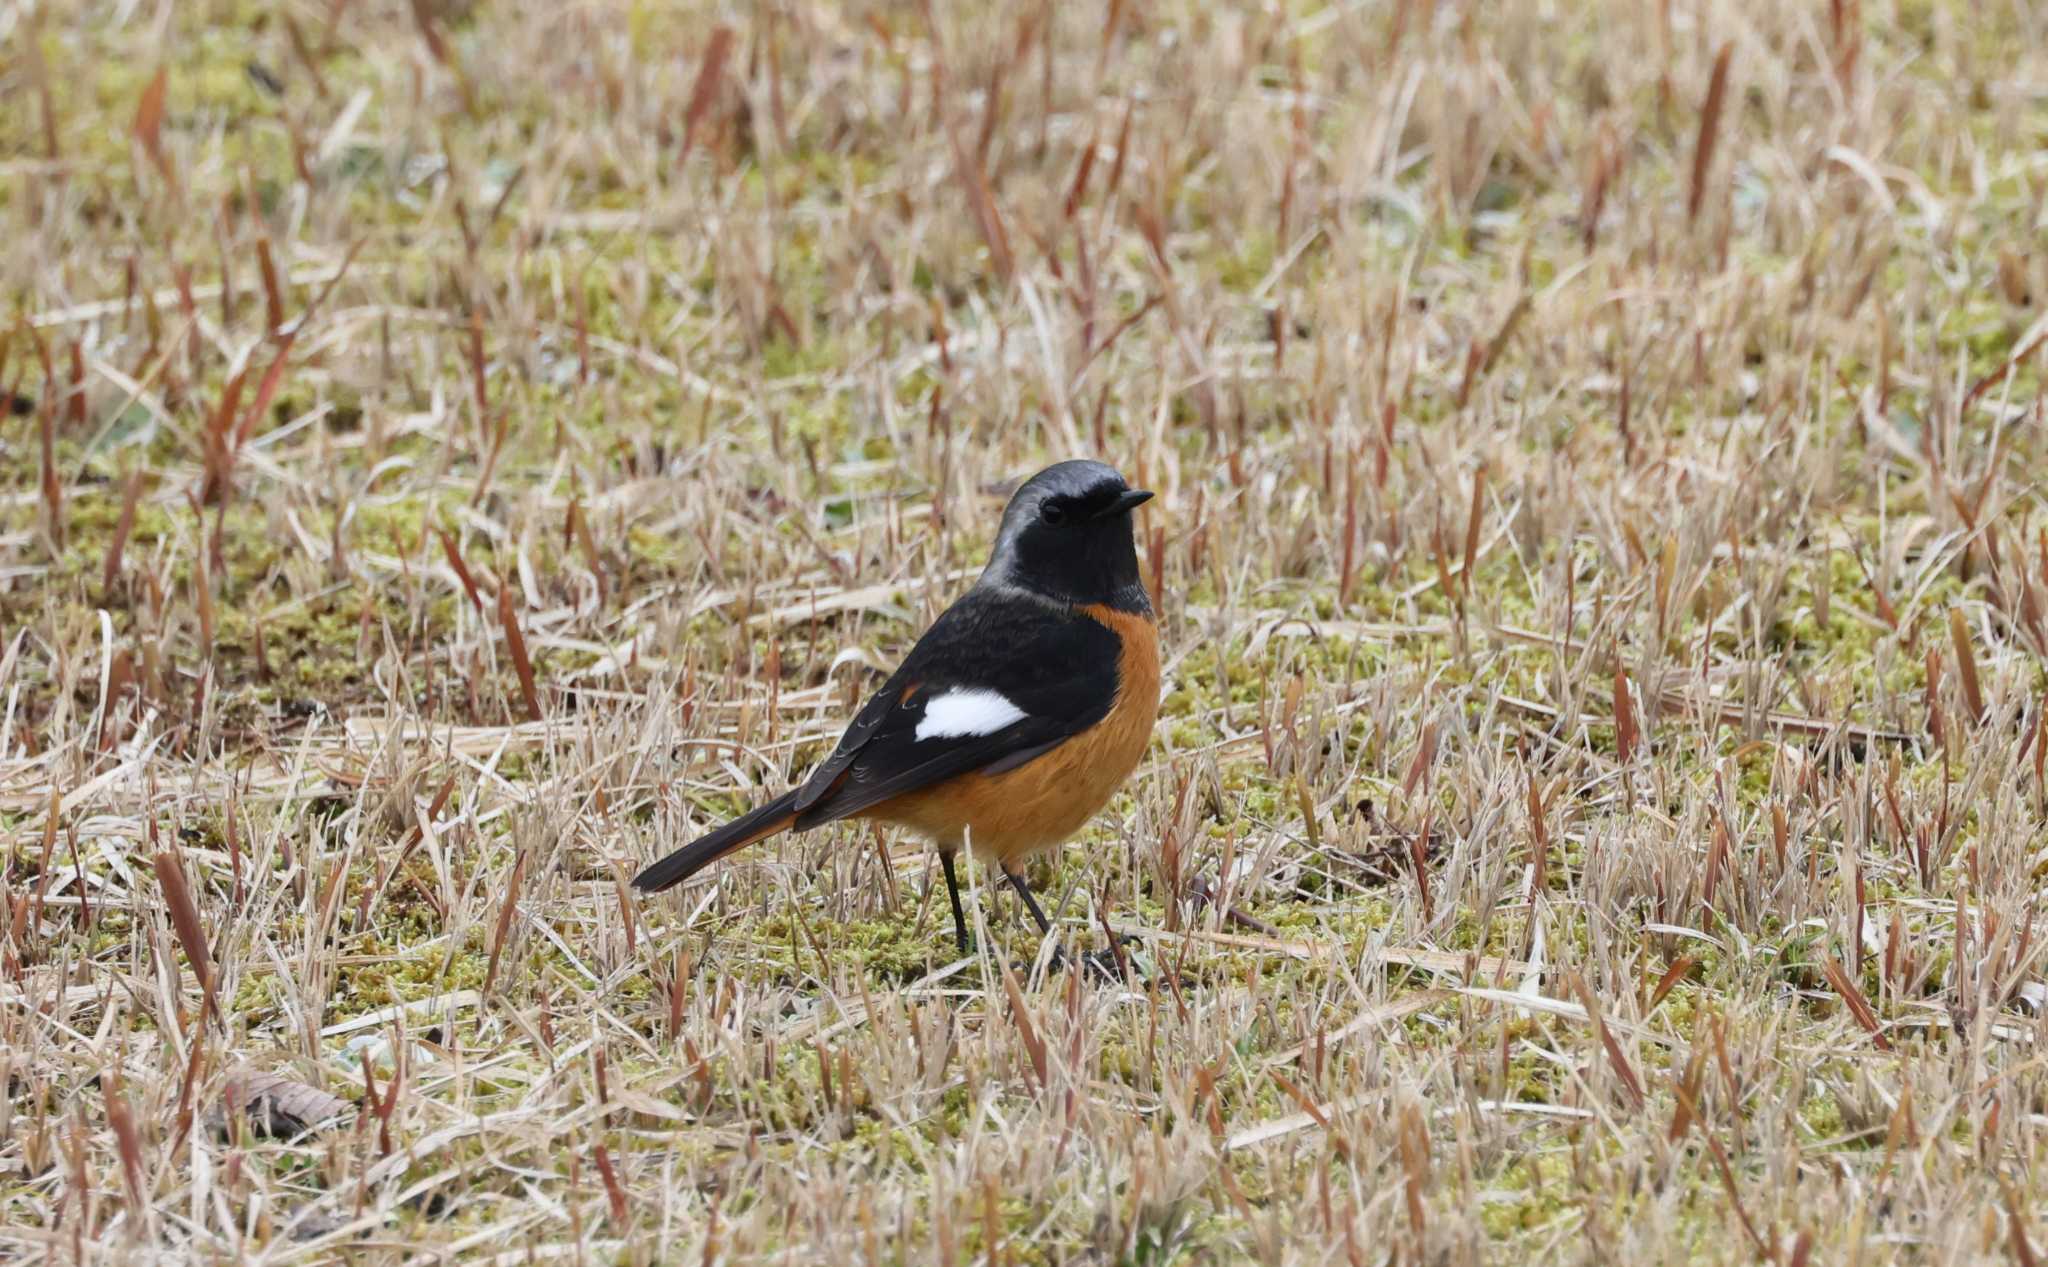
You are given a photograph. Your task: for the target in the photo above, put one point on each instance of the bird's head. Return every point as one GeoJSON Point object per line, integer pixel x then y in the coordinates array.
{"type": "Point", "coordinates": [1067, 535]}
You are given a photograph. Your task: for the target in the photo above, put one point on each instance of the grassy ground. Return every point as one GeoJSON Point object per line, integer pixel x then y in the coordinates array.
{"type": "Point", "coordinates": [457, 452]}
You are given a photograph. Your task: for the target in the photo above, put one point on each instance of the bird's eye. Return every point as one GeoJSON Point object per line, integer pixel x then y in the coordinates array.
{"type": "Point", "coordinates": [1052, 512]}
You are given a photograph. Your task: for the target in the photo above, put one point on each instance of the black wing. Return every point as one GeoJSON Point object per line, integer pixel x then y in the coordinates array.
{"type": "Point", "coordinates": [1057, 667]}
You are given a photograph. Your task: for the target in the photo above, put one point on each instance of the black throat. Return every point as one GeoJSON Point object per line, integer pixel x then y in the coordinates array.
{"type": "Point", "coordinates": [1100, 570]}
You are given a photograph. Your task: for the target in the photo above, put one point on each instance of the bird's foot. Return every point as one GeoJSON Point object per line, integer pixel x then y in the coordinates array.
{"type": "Point", "coordinates": [1109, 964]}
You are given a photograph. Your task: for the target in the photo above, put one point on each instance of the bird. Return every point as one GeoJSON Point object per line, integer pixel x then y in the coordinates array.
{"type": "Point", "coordinates": [1015, 717]}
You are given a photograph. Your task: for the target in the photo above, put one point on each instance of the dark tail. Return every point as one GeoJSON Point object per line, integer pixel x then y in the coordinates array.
{"type": "Point", "coordinates": [700, 853]}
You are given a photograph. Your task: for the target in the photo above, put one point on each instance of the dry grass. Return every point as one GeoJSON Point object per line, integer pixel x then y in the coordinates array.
{"type": "Point", "coordinates": [458, 452]}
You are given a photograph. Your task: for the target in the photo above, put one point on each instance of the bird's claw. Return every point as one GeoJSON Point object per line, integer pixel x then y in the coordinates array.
{"type": "Point", "coordinates": [1107, 965]}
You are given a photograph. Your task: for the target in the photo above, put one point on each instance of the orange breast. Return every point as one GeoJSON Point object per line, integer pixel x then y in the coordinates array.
{"type": "Point", "coordinates": [1042, 802]}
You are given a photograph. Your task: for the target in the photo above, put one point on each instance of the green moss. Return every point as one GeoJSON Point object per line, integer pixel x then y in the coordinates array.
{"type": "Point", "coordinates": [1532, 1194]}
{"type": "Point", "coordinates": [1247, 262]}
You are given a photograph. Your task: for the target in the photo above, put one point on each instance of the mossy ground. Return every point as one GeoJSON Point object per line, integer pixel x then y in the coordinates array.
{"type": "Point", "coordinates": [1596, 810]}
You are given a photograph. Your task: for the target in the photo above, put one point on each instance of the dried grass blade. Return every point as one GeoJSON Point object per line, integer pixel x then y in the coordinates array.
{"type": "Point", "coordinates": [110, 568]}
{"type": "Point", "coordinates": [170, 876]}
{"type": "Point", "coordinates": [1615, 1056]}
{"type": "Point", "coordinates": [981, 199]}
{"type": "Point", "coordinates": [149, 120]}
{"type": "Point", "coordinates": [1709, 134]}
{"type": "Point", "coordinates": [1966, 663]}
{"type": "Point", "coordinates": [503, 928]}
{"type": "Point", "coordinates": [1034, 1045]}
{"type": "Point", "coordinates": [1859, 1006]}
{"type": "Point", "coordinates": [515, 642]}
{"type": "Point", "coordinates": [710, 73]}
{"type": "Point", "coordinates": [1625, 734]}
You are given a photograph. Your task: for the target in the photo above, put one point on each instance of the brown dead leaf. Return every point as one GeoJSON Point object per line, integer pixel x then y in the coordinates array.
{"type": "Point", "coordinates": [277, 1106]}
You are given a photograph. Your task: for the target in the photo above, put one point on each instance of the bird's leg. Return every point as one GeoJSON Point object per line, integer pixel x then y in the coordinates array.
{"type": "Point", "coordinates": [953, 891]}
{"type": "Point", "coordinates": [1106, 964]}
{"type": "Point", "coordinates": [1030, 902]}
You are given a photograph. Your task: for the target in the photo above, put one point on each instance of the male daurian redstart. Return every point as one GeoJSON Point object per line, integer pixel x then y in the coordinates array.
{"type": "Point", "coordinates": [1018, 713]}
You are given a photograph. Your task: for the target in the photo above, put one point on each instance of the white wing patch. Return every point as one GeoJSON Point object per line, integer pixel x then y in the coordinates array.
{"type": "Point", "coordinates": [966, 712]}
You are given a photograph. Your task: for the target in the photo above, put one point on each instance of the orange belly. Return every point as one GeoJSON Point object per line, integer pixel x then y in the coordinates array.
{"type": "Point", "coordinates": [1044, 801]}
